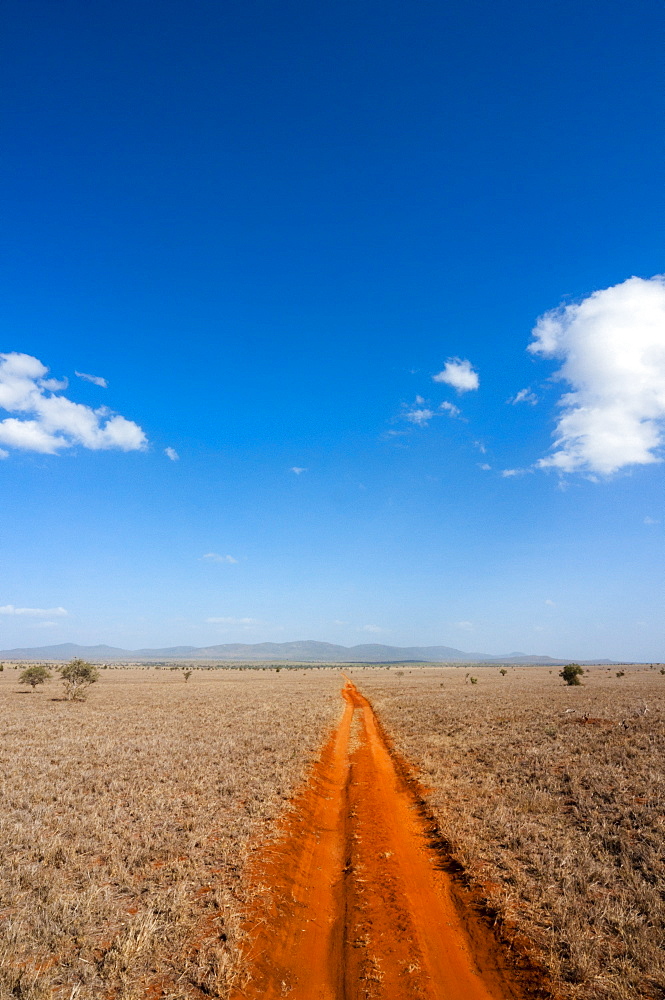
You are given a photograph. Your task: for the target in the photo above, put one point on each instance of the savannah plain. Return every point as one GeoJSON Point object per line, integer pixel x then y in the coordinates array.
{"type": "Point", "coordinates": [150, 836]}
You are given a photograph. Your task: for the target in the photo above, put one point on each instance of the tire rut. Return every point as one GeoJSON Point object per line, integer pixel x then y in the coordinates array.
{"type": "Point", "coordinates": [352, 902]}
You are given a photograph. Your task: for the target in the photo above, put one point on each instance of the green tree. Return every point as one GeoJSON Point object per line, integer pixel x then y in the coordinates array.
{"type": "Point", "coordinates": [34, 675]}
{"type": "Point", "coordinates": [571, 674]}
{"type": "Point", "coordinates": [78, 675]}
{"type": "Point", "coordinates": [187, 674]}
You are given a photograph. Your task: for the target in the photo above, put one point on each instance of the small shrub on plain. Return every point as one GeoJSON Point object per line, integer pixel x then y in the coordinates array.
{"type": "Point", "coordinates": [35, 675]}
{"type": "Point", "coordinates": [78, 675]}
{"type": "Point", "coordinates": [571, 674]}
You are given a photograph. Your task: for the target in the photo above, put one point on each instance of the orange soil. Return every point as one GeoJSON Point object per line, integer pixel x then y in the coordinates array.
{"type": "Point", "coordinates": [352, 902]}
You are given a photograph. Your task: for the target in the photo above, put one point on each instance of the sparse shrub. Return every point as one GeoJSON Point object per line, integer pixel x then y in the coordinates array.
{"type": "Point", "coordinates": [78, 675]}
{"type": "Point", "coordinates": [571, 674]}
{"type": "Point", "coordinates": [503, 671]}
{"type": "Point", "coordinates": [2, 667]}
{"type": "Point", "coordinates": [621, 673]}
{"type": "Point", "coordinates": [474, 680]}
{"type": "Point", "coordinates": [37, 674]}
{"type": "Point", "coordinates": [662, 670]}
{"type": "Point", "coordinates": [187, 674]}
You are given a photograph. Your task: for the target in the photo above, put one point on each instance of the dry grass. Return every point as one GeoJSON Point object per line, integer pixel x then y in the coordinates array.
{"type": "Point", "coordinates": [560, 819]}
{"type": "Point", "coordinates": [125, 823]}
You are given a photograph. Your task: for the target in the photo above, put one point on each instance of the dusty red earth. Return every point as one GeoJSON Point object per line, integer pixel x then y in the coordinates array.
{"type": "Point", "coordinates": [353, 901]}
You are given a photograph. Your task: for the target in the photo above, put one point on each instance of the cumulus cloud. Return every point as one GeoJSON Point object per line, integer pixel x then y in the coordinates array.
{"type": "Point", "coordinates": [233, 621]}
{"type": "Point", "coordinates": [95, 379]}
{"type": "Point", "coordinates": [216, 557]}
{"type": "Point", "coordinates": [459, 374]}
{"type": "Point", "coordinates": [524, 396]}
{"type": "Point", "coordinates": [172, 454]}
{"type": "Point", "coordinates": [613, 349]}
{"type": "Point", "coordinates": [651, 520]}
{"type": "Point", "coordinates": [298, 469]}
{"type": "Point", "coordinates": [485, 466]}
{"type": "Point", "coordinates": [47, 422]}
{"type": "Point", "coordinates": [466, 626]}
{"type": "Point", "coordinates": [374, 629]}
{"type": "Point", "coordinates": [10, 609]}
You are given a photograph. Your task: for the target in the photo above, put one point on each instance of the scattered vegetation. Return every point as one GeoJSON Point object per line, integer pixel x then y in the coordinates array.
{"type": "Point", "coordinates": [187, 674]}
{"type": "Point", "coordinates": [35, 675]}
{"type": "Point", "coordinates": [571, 674]}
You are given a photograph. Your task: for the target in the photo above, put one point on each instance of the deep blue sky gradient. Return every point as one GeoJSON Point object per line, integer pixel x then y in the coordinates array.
{"type": "Point", "coordinates": [268, 225]}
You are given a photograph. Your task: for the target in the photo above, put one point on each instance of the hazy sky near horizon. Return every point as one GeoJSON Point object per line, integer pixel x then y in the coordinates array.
{"type": "Point", "coordinates": [339, 322]}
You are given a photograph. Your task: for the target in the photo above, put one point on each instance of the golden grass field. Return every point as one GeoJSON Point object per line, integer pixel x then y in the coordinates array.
{"type": "Point", "coordinates": [560, 819]}
{"type": "Point", "coordinates": [126, 821]}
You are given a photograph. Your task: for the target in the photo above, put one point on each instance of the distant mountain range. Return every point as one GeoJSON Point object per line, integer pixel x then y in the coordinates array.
{"type": "Point", "coordinates": [307, 651]}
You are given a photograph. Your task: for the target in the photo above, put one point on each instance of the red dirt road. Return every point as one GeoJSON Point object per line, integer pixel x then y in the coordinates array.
{"type": "Point", "coordinates": [352, 903]}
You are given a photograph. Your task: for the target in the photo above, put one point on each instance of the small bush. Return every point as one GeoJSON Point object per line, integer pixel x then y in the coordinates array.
{"type": "Point", "coordinates": [571, 674]}
{"type": "Point", "coordinates": [621, 673]}
{"type": "Point", "coordinates": [474, 680]}
{"type": "Point", "coordinates": [78, 675]}
{"type": "Point", "coordinates": [187, 674]}
{"type": "Point", "coordinates": [37, 674]}
{"type": "Point", "coordinates": [503, 671]}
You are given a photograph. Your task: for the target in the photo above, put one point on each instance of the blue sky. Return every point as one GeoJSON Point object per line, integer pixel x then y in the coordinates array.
{"type": "Point", "coordinates": [263, 229]}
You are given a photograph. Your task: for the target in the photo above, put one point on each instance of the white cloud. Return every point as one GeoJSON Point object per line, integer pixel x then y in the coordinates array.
{"type": "Point", "coordinates": [10, 609]}
{"type": "Point", "coordinates": [509, 473]}
{"type": "Point", "coordinates": [371, 628]}
{"type": "Point", "coordinates": [54, 384]}
{"type": "Point", "coordinates": [524, 396]}
{"type": "Point", "coordinates": [485, 466]}
{"type": "Point", "coordinates": [49, 422]}
{"type": "Point", "coordinates": [95, 379]}
{"type": "Point", "coordinates": [465, 626]}
{"type": "Point", "coordinates": [651, 520]}
{"type": "Point", "coordinates": [481, 447]}
{"type": "Point", "coordinates": [3, 453]}
{"type": "Point", "coordinates": [297, 469]}
{"type": "Point", "coordinates": [421, 417]}
{"type": "Point", "coordinates": [233, 621]}
{"type": "Point", "coordinates": [172, 454]}
{"type": "Point", "coordinates": [459, 374]}
{"type": "Point", "coordinates": [450, 409]}
{"type": "Point", "coordinates": [216, 557]}
{"type": "Point", "coordinates": [613, 350]}
{"type": "Point", "coordinates": [337, 621]}
{"type": "Point", "coordinates": [550, 604]}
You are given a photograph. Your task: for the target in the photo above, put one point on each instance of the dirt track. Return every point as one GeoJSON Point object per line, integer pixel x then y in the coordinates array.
{"type": "Point", "coordinates": [352, 902]}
